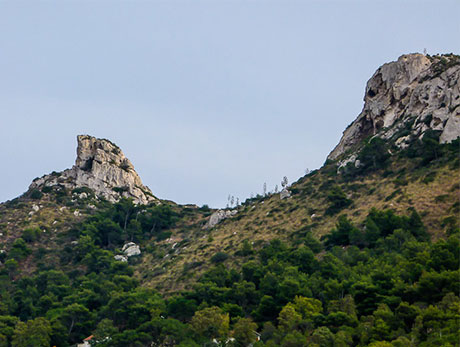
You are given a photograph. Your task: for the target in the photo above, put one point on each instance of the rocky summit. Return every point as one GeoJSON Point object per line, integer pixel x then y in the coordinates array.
{"type": "Point", "coordinates": [406, 98]}
{"type": "Point", "coordinates": [102, 167]}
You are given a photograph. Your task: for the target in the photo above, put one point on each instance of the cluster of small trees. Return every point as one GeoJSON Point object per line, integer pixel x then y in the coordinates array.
{"type": "Point", "coordinates": [235, 202]}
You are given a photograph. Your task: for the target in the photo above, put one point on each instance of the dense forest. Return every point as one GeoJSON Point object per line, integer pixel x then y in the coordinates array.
{"type": "Point", "coordinates": [382, 285]}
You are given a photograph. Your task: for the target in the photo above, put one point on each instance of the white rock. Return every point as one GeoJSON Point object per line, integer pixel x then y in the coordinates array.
{"type": "Point", "coordinates": [35, 208]}
{"type": "Point", "coordinates": [130, 249]}
{"type": "Point", "coordinates": [121, 258]}
{"type": "Point", "coordinates": [285, 193]}
{"type": "Point", "coordinates": [219, 216]}
{"type": "Point", "coordinates": [215, 218]}
{"type": "Point", "coordinates": [452, 128]}
{"type": "Point", "coordinates": [76, 213]}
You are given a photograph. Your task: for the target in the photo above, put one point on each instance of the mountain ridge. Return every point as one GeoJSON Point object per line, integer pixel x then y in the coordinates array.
{"type": "Point", "coordinates": [361, 252]}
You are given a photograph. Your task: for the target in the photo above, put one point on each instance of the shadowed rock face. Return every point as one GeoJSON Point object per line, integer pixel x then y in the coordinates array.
{"type": "Point", "coordinates": [417, 89]}
{"type": "Point", "coordinates": [102, 167]}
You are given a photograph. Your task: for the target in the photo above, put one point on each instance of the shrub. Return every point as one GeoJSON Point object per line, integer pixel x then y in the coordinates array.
{"type": "Point", "coordinates": [35, 194]}
{"type": "Point", "coordinates": [19, 250]}
{"type": "Point", "coordinates": [374, 155]}
{"type": "Point", "coordinates": [47, 189]}
{"type": "Point", "coordinates": [164, 235]}
{"type": "Point", "coordinates": [219, 257]}
{"type": "Point", "coordinates": [338, 200]}
{"type": "Point", "coordinates": [31, 234]}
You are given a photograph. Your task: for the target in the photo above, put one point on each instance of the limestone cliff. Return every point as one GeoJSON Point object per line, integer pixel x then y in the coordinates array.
{"type": "Point", "coordinates": [102, 167]}
{"type": "Point", "coordinates": [415, 93]}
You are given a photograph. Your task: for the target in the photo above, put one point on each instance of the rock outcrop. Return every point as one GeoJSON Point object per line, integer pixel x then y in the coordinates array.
{"type": "Point", "coordinates": [415, 93]}
{"type": "Point", "coordinates": [130, 249]}
{"type": "Point", "coordinates": [285, 193]}
{"type": "Point", "coordinates": [102, 167]}
{"type": "Point", "coordinates": [219, 216]}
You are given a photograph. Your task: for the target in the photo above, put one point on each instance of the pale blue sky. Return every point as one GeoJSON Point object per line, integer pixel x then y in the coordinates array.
{"type": "Point", "coordinates": [206, 98]}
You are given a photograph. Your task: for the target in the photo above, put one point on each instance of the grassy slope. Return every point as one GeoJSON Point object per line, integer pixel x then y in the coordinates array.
{"type": "Point", "coordinates": [433, 191]}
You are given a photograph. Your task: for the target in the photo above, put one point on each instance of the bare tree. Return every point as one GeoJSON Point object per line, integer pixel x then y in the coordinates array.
{"type": "Point", "coordinates": [237, 202]}
{"type": "Point", "coordinates": [276, 189]}
{"type": "Point", "coordinates": [284, 182]}
{"type": "Point", "coordinates": [307, 171]}
{"type": "Point", "coordinates": [265, 188]}
{"type": "Point", "coordinates": [232, 201]}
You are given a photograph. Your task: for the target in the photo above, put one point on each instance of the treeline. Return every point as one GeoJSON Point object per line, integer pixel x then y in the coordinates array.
{"type": "Point", "coordinates": [382, 283]}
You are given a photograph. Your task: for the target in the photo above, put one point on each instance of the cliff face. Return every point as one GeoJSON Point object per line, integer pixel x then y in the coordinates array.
{"type": "Point", "coordinates": [416, 92]}
{"type": "Point", "coordinates": [102, 167]}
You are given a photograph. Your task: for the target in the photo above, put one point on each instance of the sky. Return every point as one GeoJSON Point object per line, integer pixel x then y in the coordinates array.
{"type": "Point", "coordinates": [206, 98]}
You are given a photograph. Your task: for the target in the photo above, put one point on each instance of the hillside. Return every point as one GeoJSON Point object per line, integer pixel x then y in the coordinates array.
{"type": "Point", "coordinates": [363, 251]}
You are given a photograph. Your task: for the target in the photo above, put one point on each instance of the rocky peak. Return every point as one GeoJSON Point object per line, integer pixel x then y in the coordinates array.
{"type": "Point", "coordinates": [416, 92]}
{"type": "Point", "coordinates": [101, 166]}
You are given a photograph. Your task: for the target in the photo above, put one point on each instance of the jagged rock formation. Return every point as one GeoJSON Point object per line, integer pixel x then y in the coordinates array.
{"type": "Point", "coordinates": [417, 93]}
{"type": "Point", "coordinates": [102, 167]}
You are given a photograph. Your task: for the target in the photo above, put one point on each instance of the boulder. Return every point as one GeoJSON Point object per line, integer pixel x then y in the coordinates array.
{"type": "Point", "coordinates": [130, 249]}
{"type": "Point", "coordinates": [219, 216]}
{"type": "Point", "coordinates": [121, 258]}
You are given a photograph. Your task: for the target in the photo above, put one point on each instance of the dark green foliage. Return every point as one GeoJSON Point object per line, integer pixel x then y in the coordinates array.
{"type": "Point", "coordinates": [219, 257]}
{"type": "Point", "coordinates": [35, 194]}
{"type": "Point", "coordinates": [338, 200]}
{"type": "Point", "coordinates": [378, 225]}
{"type": "Point", "coordinates": [19, 250]}
{"type": "Point", "coordinates": [342, 234]}
{"type": "Point", "coordinates": [374, 155]}
{"type": "Point", "coordinates": [163, 235]}
{"type": "Point", "coordinates": [47, 189]}
{"type": "Point", "coordinates": [123, 221]}
{"type": "Point", "coordinates": [31, 234]}
{"type": "Point", "coordinates": [246, 249]}
{"type": "Point", "coordinates": [428, 150]}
